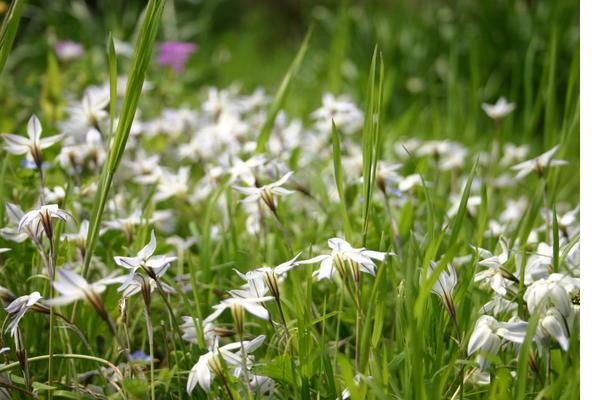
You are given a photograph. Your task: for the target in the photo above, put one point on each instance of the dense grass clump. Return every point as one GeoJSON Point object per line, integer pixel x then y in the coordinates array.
{"type": "Point", "coordinates": [377, 205]}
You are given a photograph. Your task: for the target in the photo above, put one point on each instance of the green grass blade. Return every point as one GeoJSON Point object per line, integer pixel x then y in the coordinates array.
{"type": "Point", "coordinates": [522, 364]}
{"type": "Point", "coordinates": [451, 248]}
{"type": "Point", "coordinates": [339, 179]}
{"type": "Point", "coordinates": [371, 144]}
{"type": "Point", "coordinates": [281, 95]}
{"type": "Point", "coordinates": [137, 73]}
{"type": "Point", "coordinates": [112, 81]}
{"type": "Point", "coordinates": [338, 48]}
{"type": "Point", "coordinates": [555, 241]}
{"type": "Point", "coordinates": [9, 28]}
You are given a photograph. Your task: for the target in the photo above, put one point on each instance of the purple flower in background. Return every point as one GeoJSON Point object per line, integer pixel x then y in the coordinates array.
{"type": "Point", "coordinates": [175, 54]}
{"type": "Point", "coordinates": [68, 50]}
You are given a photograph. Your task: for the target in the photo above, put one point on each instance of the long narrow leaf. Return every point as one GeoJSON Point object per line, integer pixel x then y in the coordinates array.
{"type": "Point", "coordinates": [339, 179]}
{"type": "Point", "coordinates": [112, 79]}
{"type": "Point", "coordinates": [135, 80]}
{"type": "Point", "coordinates": [8, 31]}
{"type": "Point", "coordinates": [456, 227]}
{"type": "Point", "coordinates": [371, 145]}
{"type": "Point", "coordinates": [281, 95]}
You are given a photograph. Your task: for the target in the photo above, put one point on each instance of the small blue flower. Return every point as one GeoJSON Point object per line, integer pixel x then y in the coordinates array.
{"type": "Point", "coordinates": [31, 165]}
{"type": "Point", "coordinates": [139, 355]}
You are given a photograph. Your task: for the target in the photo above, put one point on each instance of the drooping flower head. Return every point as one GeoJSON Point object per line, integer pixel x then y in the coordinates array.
{"type": "Point", "coordinates": [555, 290]}
{"type": "Point", "coordinates": [18, 308]}
{"type": "Point", "coordinates": [444, 286]}
{"type": "Point", "coordinates": [73, 287]}
{"type": "Point", "coordinates": [41, 218]}
{"type": "Point", "coordinates": [488, 334]}
{"type": "Point", "coordinates": [496, 275]}
{"type": "Point", "coordinates": [210, 364]}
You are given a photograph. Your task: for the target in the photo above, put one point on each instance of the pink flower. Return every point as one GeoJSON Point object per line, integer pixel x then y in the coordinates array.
{"type": "Point", "coordinates": [175, 54]}
{"type": "Point", "coordinates": [68, 50]}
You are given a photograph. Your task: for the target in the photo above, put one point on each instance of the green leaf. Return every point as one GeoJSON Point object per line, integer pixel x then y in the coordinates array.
{"type": "Point", "coordinates": [451, 249]}
{"type": "Point", "coordinates": [378, 323]}
{"type": "Point", "coordinates": [406, 219]}
{"type": "Point", "coordinates": [51, 89]}
{"type": "Point", "coordinates": [522, 364]}
{"type": "Point", "coordinates": [339, 179]}
{"type": "Point", "coordinates": [67, 395]}
{"type": "Point", "coordinates": [280, 368]}
{"type": "Point", "coordinates": [281, 95]}
{"type": "Point", "coordinates": [371, 143]}
{"type": "Point", "coordinates": [111, 56]}
{"type": "Point", "coordinates": [555, 241]}
{"type": "Point", "coordinates": [135, 80]}
{"type": "Point", "coordinates": [42, 386]}
{"type": "Point", "coordinates": [8, 30]}
{"type": "Point", "coordinates": [135, 388]}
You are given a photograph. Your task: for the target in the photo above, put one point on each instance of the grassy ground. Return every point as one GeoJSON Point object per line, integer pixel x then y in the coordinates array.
{"type": "Point", "coordinates": [410, 166]}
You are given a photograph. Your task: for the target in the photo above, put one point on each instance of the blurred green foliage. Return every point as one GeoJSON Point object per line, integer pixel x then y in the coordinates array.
{"type": "Point", "coordinates": [442, 58]}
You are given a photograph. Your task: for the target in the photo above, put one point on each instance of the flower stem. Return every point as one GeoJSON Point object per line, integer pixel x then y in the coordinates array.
{"type": "Point", "coordinates": [285, 327]}
{"type": "Point", "coordinates": [227, 388]}
{"type": "Point", "coordinates": [151, 345]}
{"type": "Point", "coordinates": [283, 231]}
{"type": "Point", "coordinates": [393, 224]}
{"type": "Point", "coordinates": [244, 364]}
{"type": "Point", "coordinates": [42, 184]}
{"type": "Point", "coordinates": [359, 315]}
{"type": "Point", "coordinates": [548, 214]}
{"type": "Point", "coordinates": [51, 272]}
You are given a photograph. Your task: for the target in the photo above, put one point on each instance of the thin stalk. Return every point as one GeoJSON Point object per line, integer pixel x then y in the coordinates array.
{"type": "Point", "coordinates": [285, 327]}
{"type": "Point", "coordinates": [42, 184]}
{"type": "Point", "coordinates": [496, 144]}
{"type": "Point", "coordinates": [358, 327]}
{"type": "Point", "coordinates": [337, 330]}
{"type": "Point", "coordinates": [459, 390]}
{"type": "Point", "coordinates": [227, 388]}
{"type": "Point", "coordinates": [393, 224]}
{"type": "Point", "coordinates": [244, 363]}
{"type": "Point", "coordinates": [547, 207]}
{"type": "Point", "coordinates": [460, 343]}
{"type": "Point", "coordinates": [171, 313]}
{"type": "Point", "coordinates": [151, 345]}
{"type": "Point", "coordinates": [549, 367]}
{"type": "Point", "coordinates": [22, 356]}
{"type": "Point", "coordinates": [288, 335]}
{"type": "Point", "coordinates": [51, 271]}
{"type": "Point", "coordinates": [283, 232]}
